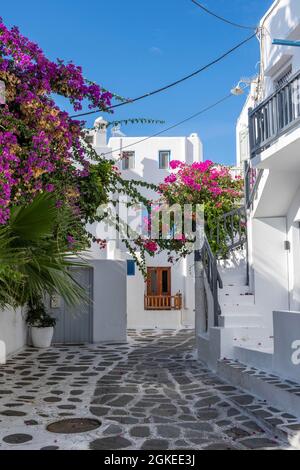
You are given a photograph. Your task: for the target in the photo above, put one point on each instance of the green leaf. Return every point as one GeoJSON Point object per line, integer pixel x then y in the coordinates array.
{"type": "Point", "coordinates": [34, 220]}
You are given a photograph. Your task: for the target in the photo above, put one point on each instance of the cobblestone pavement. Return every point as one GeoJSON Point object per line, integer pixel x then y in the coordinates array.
{"type": "Point", "coordinates": [148, 394]}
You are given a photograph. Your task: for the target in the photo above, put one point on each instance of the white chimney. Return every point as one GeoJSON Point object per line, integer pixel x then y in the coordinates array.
{"type": "Point", "coordinates": [100, 132]}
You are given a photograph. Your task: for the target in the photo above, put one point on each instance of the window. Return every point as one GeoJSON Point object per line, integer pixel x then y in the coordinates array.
{"type": "Point", "coordinates": [164, 159]}
{"type": "Point", "coordinates": [89, 139]}
{"type": "Point", "coordinates": [128, 160]}
{"type": "Point", "coordinates": [159, 281]}
{"type": "Point", "coordinates": [283, 77]}
{"type": "Point", "coordinates": [130, 267]}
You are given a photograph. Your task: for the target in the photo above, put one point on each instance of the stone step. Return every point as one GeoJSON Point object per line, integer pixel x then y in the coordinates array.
{"type": "Point", "coordinates": [236, 258]}
{"type": "Point", "coordinates": [235, 290]}
{"type": "Point", "coordinates": [229, 320]}
{"type": "Point", "coordinates": [257, 353]}
{"type": "Point", "coordinates": [233, 302]}
{"type": "Point", "coordinates": [282, 395]}
{"type": "Point", "coordinates": [229, 308]}
{"type": "Point", "coordinates": [233, 279]}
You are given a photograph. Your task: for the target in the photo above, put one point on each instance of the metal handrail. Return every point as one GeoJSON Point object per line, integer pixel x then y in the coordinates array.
{"type": "Point", "coordinates": [274, 116]}
{"type": "Point", "coordinates": [213, 276]}
{"type": "Point", "coordinates": [253, 177]}
{"type": "Point", "coordinates": [234, 224]}
{"type": "Point", "coordinates": [278, 90]}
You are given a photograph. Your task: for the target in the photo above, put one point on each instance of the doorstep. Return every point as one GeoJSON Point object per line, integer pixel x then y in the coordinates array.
{"type": "Point", "coordinates": [282, 414]}
{"type": "Point", "coordinates": [259, 357]}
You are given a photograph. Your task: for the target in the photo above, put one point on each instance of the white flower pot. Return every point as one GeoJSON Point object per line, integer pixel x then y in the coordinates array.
{"type": "Point", "coordinates": [41, 337]}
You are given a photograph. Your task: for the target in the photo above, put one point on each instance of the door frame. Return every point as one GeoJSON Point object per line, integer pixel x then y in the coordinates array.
{"type": "Point", "coordinates": [159, 270]}
{"type": "Point", "coordinates": [90, 307]}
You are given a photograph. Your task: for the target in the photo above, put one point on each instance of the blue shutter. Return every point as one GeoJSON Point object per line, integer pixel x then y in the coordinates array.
{"type": "Point", "coordinates": [130, 267]}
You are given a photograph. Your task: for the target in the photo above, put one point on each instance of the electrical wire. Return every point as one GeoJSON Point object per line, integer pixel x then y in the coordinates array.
{"type": "Point", "coordinates": [237, 25]}
{"type": "Point", "coordinates": [208, 108]}
{"type": "Point", "coordinates": [170, 85]}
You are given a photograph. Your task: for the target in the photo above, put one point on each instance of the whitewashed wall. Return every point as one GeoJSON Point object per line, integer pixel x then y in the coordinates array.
{"type": "Point", "coordinates": [242, 131]}
{"type": "Point", "coordinates": [272, 223]}
{"type": "Point", "coordinates": [293, 236]}
{"type": "Point", "coordinates": [286, 361]}
{"type": "Point", "coordinates": [182, 281]}
{"type": "Point", "coordinates": [185, 149]}
{"type": "Point", "coordinates": [270, 262]}
{"type": "Point", "coordinates": [13, 332]}
{"type": "Point", "coordinates": [282, 21]}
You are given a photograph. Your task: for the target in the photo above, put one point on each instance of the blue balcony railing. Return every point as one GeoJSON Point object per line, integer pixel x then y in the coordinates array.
{"type": "Point", "coordinates": [275, 116]}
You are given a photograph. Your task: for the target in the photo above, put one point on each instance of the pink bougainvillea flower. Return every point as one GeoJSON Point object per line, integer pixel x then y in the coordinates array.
{"type": "Point", "coordinates": [40, 142]}
{"type": "Point", "coordinates": [151, 246]}
{"type": "Point", "coordinates": [174, 164]}
{"type": "Point", "coordinates": [170, 179]}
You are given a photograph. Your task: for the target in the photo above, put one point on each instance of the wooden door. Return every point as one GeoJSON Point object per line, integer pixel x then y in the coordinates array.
{"type": "Point", "coordinates": [159, 282]}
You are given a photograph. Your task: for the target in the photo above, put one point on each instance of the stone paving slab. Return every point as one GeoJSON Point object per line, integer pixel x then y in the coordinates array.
{"type": "Point", "coordinates": [148, 394]}
{"type": "Point", "coordinates": [284, 424]}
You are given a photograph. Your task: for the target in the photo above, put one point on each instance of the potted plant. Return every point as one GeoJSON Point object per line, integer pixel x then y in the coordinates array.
{"type": "Point", "coordinates": [41, 324]}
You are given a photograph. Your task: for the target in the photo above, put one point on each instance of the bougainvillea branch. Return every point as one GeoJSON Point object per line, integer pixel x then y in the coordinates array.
{"type": "Point", "coordinates": [42, 149]}
{"type": "Point", "coordinates": [207, 184]}
{"type": "Point", "coordinates": [39, 141]}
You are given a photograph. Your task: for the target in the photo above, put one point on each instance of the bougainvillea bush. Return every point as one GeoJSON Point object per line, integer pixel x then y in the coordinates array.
{"type": "Point", "coordinates": [41, 148]}
{"type": "Point", "coordinates": [43, 152]}
{"type": "Point", "coordinates": [207, 184]}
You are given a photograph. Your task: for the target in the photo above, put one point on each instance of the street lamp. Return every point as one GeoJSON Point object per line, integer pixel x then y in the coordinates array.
{"type": "Point", "coordinates": [239, 89]}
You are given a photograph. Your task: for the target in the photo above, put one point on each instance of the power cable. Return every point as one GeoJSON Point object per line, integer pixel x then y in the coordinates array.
{"type": "Point", "coordinates": [208, 108]}
{"type": "Point", "coordinates": [237, 25]}
{"type": "Point", "coordinates": [170, 85]}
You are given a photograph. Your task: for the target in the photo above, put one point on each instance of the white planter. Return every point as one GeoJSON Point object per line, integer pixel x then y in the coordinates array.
{"type": "Point", "coordinates": [41, 337]}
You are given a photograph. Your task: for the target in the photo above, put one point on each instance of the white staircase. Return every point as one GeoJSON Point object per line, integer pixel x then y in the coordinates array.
{"type": "Point", "coordinates": [235, 299]}
{"type": "Point", "coordinates": [251, 342]}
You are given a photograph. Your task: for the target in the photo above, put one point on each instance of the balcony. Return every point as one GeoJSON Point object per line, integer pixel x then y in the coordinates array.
{"type": "Point", "coordinates": [163, 302]}
{"type": "Point", "coordinates": [275, 116]}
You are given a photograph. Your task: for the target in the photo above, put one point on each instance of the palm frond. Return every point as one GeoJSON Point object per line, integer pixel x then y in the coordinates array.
{"type": "Point", "coordinates": [35, 220]}
{"type": "Point", "coordinates": [32, 261]}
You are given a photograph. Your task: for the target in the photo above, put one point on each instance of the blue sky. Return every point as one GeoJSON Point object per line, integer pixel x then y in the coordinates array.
{"type": "Point", "coordinates": [134, 46]}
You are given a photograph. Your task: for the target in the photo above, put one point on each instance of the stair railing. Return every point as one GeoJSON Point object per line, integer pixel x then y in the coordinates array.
{"type": "Point", "coordinates": [213, 276]}
{"type": "Point", "coordinates": [234, 224]}
{"type": "Point", "coordinates": [253, 177]}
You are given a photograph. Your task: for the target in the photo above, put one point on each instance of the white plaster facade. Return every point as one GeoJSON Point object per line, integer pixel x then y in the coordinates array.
{"type": "Point", "coordinates": [13, 332]}
{"type": "Point", "coordinates": [269, 340]}
{"type": "Point", "coordinates": [146, 168]}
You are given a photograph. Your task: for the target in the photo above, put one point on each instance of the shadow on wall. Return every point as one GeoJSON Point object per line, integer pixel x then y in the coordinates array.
{"type": "Point", "coordinates": [190, 152]}
{"type": "Point", "coordinates": [285, 20]}
{"type": "Point", "coordinates": [150, 167]}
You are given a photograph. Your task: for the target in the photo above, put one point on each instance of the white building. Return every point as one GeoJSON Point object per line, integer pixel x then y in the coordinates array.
{"type": "Point", "coordinates": [166, 300]}
{"type": "Point", "coordinates": [120, 297]}
{"type": "Point", "coordinates": [259, 324]}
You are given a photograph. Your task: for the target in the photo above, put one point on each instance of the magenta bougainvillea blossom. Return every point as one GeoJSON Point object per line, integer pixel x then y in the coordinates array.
{"type": "Point", "coordinates": [38, 141]}
{"type": "Point", "coordinates": [151, 246]}
{"type": "Point", "coordinates": [208, 184]}
{"type": "Point", "coordinates": [201, 182]}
